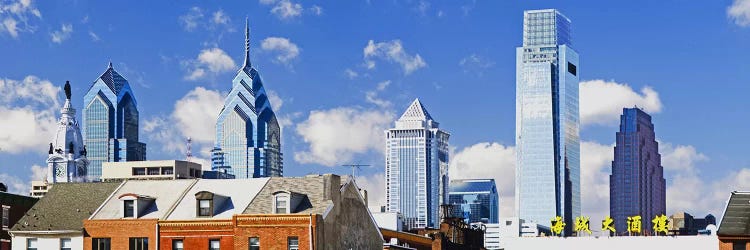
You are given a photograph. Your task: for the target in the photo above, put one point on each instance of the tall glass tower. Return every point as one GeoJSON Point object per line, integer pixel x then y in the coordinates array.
{"type": "Point", "coordinates": [110, 118]}
{"type": "Point", "coordinates": [477, 199]}
{"type": "Point", "coordinates": [416, 168]}
{"type": "Point", "coordinates": [547, 123]}
{"type": "Point", "coordinates": [248, 136]}
{"type": "Point", "coordinates": [637, 185]}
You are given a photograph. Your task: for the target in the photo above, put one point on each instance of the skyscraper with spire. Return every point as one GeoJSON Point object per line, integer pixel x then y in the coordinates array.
{"type": "Point", "coordinates": [547, 123]}
{"type": "Point", "coordinates": [416, 168]}
{"type": "Point", "coordinates": [110, 122]}
{"type": "Point", "coordinates": [248, 136]}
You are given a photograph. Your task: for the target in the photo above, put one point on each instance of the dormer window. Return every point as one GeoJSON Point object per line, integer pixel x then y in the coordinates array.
{"type": "Point", "coordinates": [204, 208]}
{"type": "Point", "coordinates": [128, 208]}
{"type": "Point", "coordinates": [282, 204]}
{"type": "Point", "coordinates": [134, 205]}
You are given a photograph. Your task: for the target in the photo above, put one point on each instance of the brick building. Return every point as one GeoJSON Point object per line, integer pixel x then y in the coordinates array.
{"type": "Point", "coordinates": [12, 208]}
{"type": "Point", "coordinates": [312, 212]}
{"type": "Point", "coordinates": [734, 229]}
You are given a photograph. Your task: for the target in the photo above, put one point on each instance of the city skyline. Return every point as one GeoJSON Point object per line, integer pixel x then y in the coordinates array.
{"type": "Point", "coordinates": [472, 67]}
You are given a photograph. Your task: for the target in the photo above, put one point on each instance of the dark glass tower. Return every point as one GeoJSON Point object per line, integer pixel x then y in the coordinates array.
{"type": "Point", "coordinates": [477, 199]}
{"type": "Point", "coordinates": [637, 185]}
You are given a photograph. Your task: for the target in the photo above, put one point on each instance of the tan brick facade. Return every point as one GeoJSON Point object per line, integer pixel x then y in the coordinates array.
{"type": "Point", "coordinates": [119, 231]}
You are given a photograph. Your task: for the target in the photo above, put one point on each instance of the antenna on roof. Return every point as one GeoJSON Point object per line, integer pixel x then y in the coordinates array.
{"type": "Point", "coordinates": [355, 167]}
{"type": "Point", "coordinates": [189, 153]}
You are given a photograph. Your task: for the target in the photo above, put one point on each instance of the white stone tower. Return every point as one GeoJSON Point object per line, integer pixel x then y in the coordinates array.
{"type": "Point", "coordinates": [67, 155]}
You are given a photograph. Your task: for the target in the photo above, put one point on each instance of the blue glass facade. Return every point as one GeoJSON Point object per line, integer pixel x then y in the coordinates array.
{"type": "Point", "coordinates": [547, 123]}
{"type": "Point", "coordinates": [477, 199]}
{"type": "Point", "coordinates": [416, 168]}
{"type": "Point", "coordinates": [637, 185]}
{"type": "Point", "coordinates": [110, 118]}
{"type": "Point", "coordinates": [248, 136]}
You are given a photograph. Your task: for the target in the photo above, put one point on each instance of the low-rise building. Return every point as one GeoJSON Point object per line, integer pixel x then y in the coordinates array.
{"type": "Point", "coordinates": [682, 223]}
{"type": "Point", "coordinates": [150, 170]}
{"type": "Point", "coordinates": [12, 208]}
{"type": "Point", "coordinates": [312, 212]}
{"type": "Point", "coordinates": [56, 220]}
{"type": "Point", "coordinates": [734, 229]}
{"type": "Point", "coordinates": [39, 189]}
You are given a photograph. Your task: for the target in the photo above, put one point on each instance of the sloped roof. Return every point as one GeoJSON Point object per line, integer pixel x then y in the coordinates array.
{"type": "Point", "coordinates": [736, 219]}
{"type": "Point", "coordinates": [315, 188]}
{"type": "Point", "coordinates": [239, 192]}
{"type": "Point", "coordinates": [65, 206]}
{"type": "Point", "coordinates": [165, 193]}
{"type": "Point", "coordinates": [114, 80]}
{"type": "Point", "coordinates": [416, 111]}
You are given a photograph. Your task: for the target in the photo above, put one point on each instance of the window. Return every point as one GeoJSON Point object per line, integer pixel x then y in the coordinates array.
{"type": "Point", "coordinates": [31, 244]}
{"type": "Point", "coordinates": [153, 171]}
{"type": "Point", "coordinates": [66, 244]}
{"type": "Point", "coordinates": [572, 69]}
{"type": "Point", "coordinates": [138, 244]}
{"type": "Point", "coordinates": [282, 202]}
{"type": "Point", "coordinates": [204, 207]}
{"type": "Point", "coordinates": [139, 171]}
{"type": "Point", "coordinates": [254, 243]}
{"type": "Point", "coordinates": [100, 244]}
{"type": "Point", "coordinates": [6, 217]}
{"type": "Point", "coordinates": [214, 245]}
{"type": "Point", "coordinates": [167, 170]}
{"type": "Point", "coordinates": [177, 245]}
{"type": "Point", "coordinates": [739, 245]}
{"type": "Point", "coordinates": [129, 208]}
{"type": "Point", "coordinates": [292, 243]}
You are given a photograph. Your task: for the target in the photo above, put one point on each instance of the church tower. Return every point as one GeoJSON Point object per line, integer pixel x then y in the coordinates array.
{"type": "Point", "coordinates": [67, 155]}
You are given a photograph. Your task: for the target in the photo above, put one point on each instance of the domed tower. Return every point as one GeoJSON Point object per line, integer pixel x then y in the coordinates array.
{"type": "Point", "coordinates": [67, 155]}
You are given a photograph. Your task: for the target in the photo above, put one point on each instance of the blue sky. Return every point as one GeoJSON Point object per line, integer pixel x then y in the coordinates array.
{"type": "Point", "coordinates": [352, 67]}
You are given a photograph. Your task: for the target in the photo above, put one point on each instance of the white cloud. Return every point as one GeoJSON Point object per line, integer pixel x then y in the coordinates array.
{"type": "Point", "coordinates": [285, 50]}
{"type": "Point", "coordinates": [275, 100]}
{"type": "Point", "coordinates": [739, 11]}
{"type": "Point", "coordinates": [392, 51]}
{"type": "Point", "coordinates": [213, 60]}
{"type": "Point", "coordinates": [16, 16]}
{"type": "Point", "coordinates": [375, 186]}
{"type": "Point", "coordinates": [475, 64]}
{"type": "Point", "coordinates": [324, 132]}
{"type": "Point", "coordinates": [680, 158]}
{"type": "Point", "coordinates": [63, 34]}
{"type": "Point", "coordinates": [284, 9]}
{"type": "Point", "coordinates": [194, 115]}
{"type": "Point", "coordinates": [191, 19]}
{"type": "Point", "coordinates": [372, 95]}
{"type": "Point", "coordinates": [351, 74]}
{"type": "Point", "coordinates": [32, 105]}
{"type": "Point", "coordinates": [316, 10]}
{"type": "Point", "coordinates": [15, 184]}
{"type": "Point", "coordinates": [602, 102]}
{"type": "Point", "coordinates": [488, 160]}
{"type": "Point", "coordinates": [195, 19]}
{"type": "Point", "coordinates": [38, 173]}
{"type": "Point", "coordinates": [219, 17]}
{"type": "Point", "coordinates": [94, 36]}
{"type": "Point", "coordinates": [596, 166]}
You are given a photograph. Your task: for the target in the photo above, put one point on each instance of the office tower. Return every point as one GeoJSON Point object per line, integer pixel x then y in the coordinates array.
{"type": "Point", "coordinates": [248, 136]}
{"type": "Point", "coordinates": [547, 123]}
{"type": "Point", "coordinates": [66, 160]}
{"type": "Point", "coordinates": [637, 185]}
{"type": "Point", "coordinates": [416, 168]}
{"type": "Point", "coordinates": [477, 199]}
{"type": "Point", "coordinates": [110, 123]}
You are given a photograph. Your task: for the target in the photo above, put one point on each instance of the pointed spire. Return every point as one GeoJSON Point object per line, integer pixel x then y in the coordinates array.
{"type": "Point", "coordinates": [110, 64]}
{"type": "Point", "coordinates": [416, 111]}
{"type": "Point", "coordinates": [247, 44]}
{"type": "Point", "coordinates": [67, 90]}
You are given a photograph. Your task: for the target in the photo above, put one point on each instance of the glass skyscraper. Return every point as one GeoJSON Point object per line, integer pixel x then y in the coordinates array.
{"type": "Point", "coordinates": [477, 199]}
{"type": "Point", "coordinates": [416, 168]}
{"type": "Point", "coordinates": [547, 123]}
{"type": "Point", "coordinates": [637, 185]}
{"type": "Point", "coordinates": [110, 118]}
{"type": "Point", "coordinates": [248, 136]}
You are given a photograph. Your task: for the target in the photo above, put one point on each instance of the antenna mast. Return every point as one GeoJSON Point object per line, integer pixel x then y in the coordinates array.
{"type": "Point", "coordinates": [355, 167]}
{"type": "Point", "coordinates": [189, 153]}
